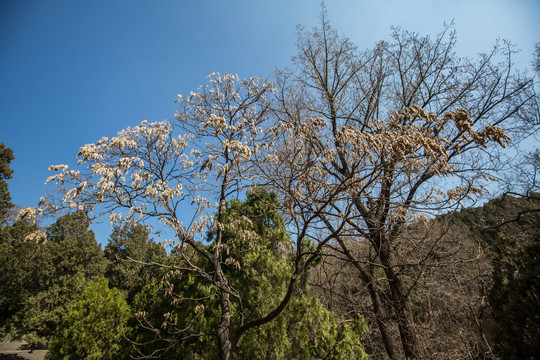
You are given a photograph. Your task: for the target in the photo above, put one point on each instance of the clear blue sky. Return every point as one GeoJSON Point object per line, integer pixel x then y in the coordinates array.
{"type": "Point", "coordinates": [74, 71]}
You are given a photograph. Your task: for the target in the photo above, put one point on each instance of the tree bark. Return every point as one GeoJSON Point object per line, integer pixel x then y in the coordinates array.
{"type": "Point", "coordinates": [379, 317]}
{"type": "Point", "coordinates": [400, 302]}
{"type": "Point", "coordinates": [223, 331]}
{"type": "Point", "coordinates": [375, 300]}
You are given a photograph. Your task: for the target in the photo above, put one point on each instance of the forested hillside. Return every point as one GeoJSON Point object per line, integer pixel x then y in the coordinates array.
{"type": "Point", "coordinates": [472, 277]}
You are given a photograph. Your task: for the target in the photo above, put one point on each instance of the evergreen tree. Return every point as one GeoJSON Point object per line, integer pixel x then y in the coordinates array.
{"type": "Point", "coordinates": [71, 258]}
{"type": "Point", "coordinates": [515, 291]}
{"type": "Point", "coordinates": [507, 227]}
{"type": "Point", "coordinates": [6, 156]}
{"type": "Point", "coordinates": [94, 328]}
{"type": "Point", "coordinates": [129, 247]}
{"type": "Point", "coordinates": [21, 265]}
{"type": "Point", "coordinates": [258, 265]}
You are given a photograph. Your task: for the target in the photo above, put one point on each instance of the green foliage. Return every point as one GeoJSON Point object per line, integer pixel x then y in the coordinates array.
{"type": "Point", "coordinates": [74, 248]}
{"type": "Point", "coordinates": [183, 333]}
{"type": "Point", "coordinates": [148, 305]}
{"type": "Point", "coordinates": [6, 156]}
{"type": "Point", "coordinates": [20, 263]}
{"type": "Point", "coordinates": [132, 242]}
{"type": "Point", "coordinates": [508, 229]}
{"type": "Point", "coordinates": [306, 330]}
{"type": "Point", "coordinates": [257, 240]}
{"type": "Point", "coordinates": [259, 265]}
{"type": "Point", "coordinates": [485, 222]}
{"type": "Point", "coordinates": [515, 293]}
{"type": "Point", "coordinates": [67, 262]}
{"type": "Point", "coordinates": [94, 328]}
{"type": "Point", "coordinates": [42, 286]}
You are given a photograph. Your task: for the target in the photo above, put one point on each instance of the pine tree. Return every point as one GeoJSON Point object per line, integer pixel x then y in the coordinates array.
{"type": "Point", "coordinates": [6, 156]}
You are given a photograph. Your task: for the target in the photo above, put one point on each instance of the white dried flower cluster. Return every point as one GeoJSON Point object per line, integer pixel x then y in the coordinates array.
{"type": "Point", "coordinates": [233, 262]}
{"type": "Point", "coordinates": [360, 160]}
{"type": "Point", "coordinates": [150, 171]}
{"type": "Point", "coordinates": [127, 175]}
{"type": "Point", "coordinates": [29, 213]}
{"type": "Point", "coordinates": [58, 168]}
{"type": "Point", "coordinates": [37, 237]}
{"type": "Point", "coordinates": [464, 124]}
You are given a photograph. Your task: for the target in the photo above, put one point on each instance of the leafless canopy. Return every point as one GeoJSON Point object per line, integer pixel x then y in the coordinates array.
{"type": "Point", "coordinates": [385, 137]}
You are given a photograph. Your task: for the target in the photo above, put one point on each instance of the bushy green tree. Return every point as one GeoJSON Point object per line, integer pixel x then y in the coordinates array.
{"type": "Point", "coordinates": [94, 328]}
{"type": "Point", "coordinates": [133, 257]}
{"type": "Point", "coordinates": [160, 332]}
{"type": "Point", "coordinates": [514, 298]}
{"type": "Point", "coordinates": [21, 263]}
{"type": "Point", "coordinates": [259, 263]}
{"type": "Point", "coordinates": [515, 291]}
{"type": "Point", "coordinates": [508, 229]}
{"type": "Point", "coordinates": [6, 156]}
{"type": "Point", "coordinates": [70, 259]}
{"type": "Point", "coordinates": [305, 329]}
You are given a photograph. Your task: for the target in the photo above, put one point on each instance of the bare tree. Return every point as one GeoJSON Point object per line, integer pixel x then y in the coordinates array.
{"type": "Point", "coordinates": [396, 133]}
{"type": "Point", "coordinates": [149, 173]}
{"type": "Point", "coordinates": [451, 271]}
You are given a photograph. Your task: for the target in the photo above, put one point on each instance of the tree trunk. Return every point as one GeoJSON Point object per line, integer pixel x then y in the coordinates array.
{"type": "Point", "coordinates": [367, 278]}
{"type": "Point", "coordinates": [379, 317]}
{"type": "Point", "coordinates": [223, 332]}
{"type": "Point", "coordinates": [400, 302]}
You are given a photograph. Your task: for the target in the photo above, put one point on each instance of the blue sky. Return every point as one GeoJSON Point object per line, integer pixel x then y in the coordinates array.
{"type": "Point", "coordinates": [74, 71]}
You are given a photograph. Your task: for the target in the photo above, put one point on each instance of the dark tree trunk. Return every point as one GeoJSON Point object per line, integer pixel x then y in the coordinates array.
{"type": "Point", "coordinates": [400, 302]}
{"type": "Point", "coordinates": [223, 332]}
{"type": "Point", "coordinates": [380, 316]}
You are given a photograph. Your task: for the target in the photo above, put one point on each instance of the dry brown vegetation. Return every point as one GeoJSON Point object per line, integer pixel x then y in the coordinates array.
{"type": "Point", "coordinates": [447, 267]}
